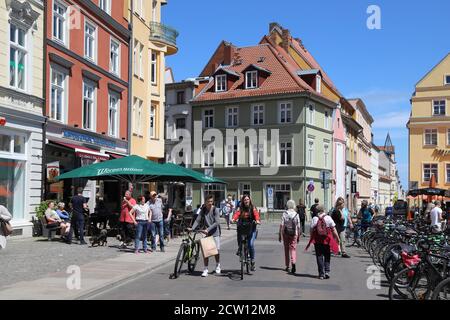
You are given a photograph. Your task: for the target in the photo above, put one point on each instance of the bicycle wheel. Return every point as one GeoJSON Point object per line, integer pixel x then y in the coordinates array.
{"type": "Point", "coordinates": [410, 284]}
{"type": "Point", "coordinates": [195, 253]}
{"type": "Point", "coordinates": [247, 262]}
{"type": "Point", "coordinates": [442, 290]}
{"type": "Point", "coordinates": [180, 260]}
{"type": "Point", "coordinates": [242, 258]}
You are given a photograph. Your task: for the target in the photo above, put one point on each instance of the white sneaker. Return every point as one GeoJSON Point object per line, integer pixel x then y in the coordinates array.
{"type": "Point", "coordinates": [205, 273]}
{"type": "Point", "coordinates": [218, 270]}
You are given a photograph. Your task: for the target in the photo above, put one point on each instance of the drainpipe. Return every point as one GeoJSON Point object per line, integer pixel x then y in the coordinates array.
{"type": "Point", "coordinates": [130, 75]}
{"type": "Point", "coordinates": [305, 110]}
{"type": "Point", "coordinates": [44, 95]}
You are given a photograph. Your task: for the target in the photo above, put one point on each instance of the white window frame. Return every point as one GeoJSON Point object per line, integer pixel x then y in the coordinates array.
{"type": "Point", "coordinates": [209, 149]}
{"type": "Point", "coordinates": [114, 67]}
{"type": "Point", "coordinates": [310, 118]}
{"type": "Point", "coordinates": [111, 96]}
{"type": "Point", "coordinates": [11, 154]}
{"type": "Point", "coordinates": [310, 152]}
{"type": "Point", "coordinates": [94, 38]}
{"type": "Point", "coordinates": [105, 5]}
{"type": "Point", "coordinates": [154, 8]}
{"type": "Point", "coordinates": [447, 79]}
{"type": "Point", "coordinates": [62, 90]}
{"type": "Point", "coordinates": [242, 188]}
{"type": "Point", "coordinates": [232, 154]}
{"type": "Point", "coordinates": [318, 83]}
{"type": "Point", "coordinates": [154, 68]}
{"type": "Point", "coordinates": [141, 61]}
{"type": "Point", "coordinates": [326, 153]}
{"type": "Point", "coordinates": [447, 172]}
{"type": "Point", "coordinates": [210, 117]}
{"type": "Point", "coordinates": [223, 83]}
{"type": "Point", "coordinates": [251, 79]}
{"type": "Point", "coordinates": [152, 124]}
{"type": "Point", "coordinates": [326, 119]}
{"type": "Point", "coordinates": [92, 100]}
{"type": "Point", "coordinates": [440, 105]}
{"type": "Point", "coordinates": [258, 113]}
{"type": "Point", "coordinates": [234, 113]}
{"type": "Point", "coordinates": [448, 137]}
{"type": "Point", "coordinates": [139, 8]}
{"type": "Point", "coordinates": [430, 132]}
{"type": "Point", "coordinates": [65, 33]}
{"type": "Point", "coordinates": [423, 171]}
{"type": "Point", "coordinates": [135, 58]}
{"type": "Point", "coordinates": [284, 148]}
{"type": "Point", "coordinates": [258, 150]}
{"type": "Point", "coordinates": [285, 106]}
{"type": "Point", "coordinates": [19, 49]}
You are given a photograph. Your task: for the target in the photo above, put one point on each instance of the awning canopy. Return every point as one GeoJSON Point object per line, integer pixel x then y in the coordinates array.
{"type": "Point", "coordinates": [83, 152]}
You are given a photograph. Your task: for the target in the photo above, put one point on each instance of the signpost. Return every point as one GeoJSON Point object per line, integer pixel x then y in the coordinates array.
{"type": "Point", "coordinates": [270, 198]}
{"type": "Point", "coordinates": [325, 177]}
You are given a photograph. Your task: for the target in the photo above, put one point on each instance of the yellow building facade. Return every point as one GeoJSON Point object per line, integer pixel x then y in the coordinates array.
{"type": "Point", "coordinates": [429, 129]}
{"type": "Point", "coordinates": [152, 42]}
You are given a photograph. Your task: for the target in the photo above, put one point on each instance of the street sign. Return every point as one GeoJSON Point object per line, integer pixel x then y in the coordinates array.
{"type": "Point", "coordinates": [353, 186]}
{"type": "Point", "coordinates": [311, 187]}
{"type": "Point", "coordinates": [270, 198]}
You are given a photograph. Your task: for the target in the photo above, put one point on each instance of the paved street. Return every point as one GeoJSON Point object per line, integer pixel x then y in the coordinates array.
{"type": "Point", "coordinates": [270, 281]}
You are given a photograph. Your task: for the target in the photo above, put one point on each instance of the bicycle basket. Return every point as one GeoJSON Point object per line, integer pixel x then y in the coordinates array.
{"type": "Point", "coordinates": [244, 228]}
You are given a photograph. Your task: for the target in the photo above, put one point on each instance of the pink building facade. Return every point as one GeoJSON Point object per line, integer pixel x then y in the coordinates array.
{"type": "Point", "coordinates": [339, 158]}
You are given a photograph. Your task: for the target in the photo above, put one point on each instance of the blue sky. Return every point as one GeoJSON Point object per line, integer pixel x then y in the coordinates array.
{"type": "Point", "coordinates": [379, 66]}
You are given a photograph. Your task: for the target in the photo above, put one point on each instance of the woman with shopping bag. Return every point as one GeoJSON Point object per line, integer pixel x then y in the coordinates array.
{"type": "Point", "coordinates": [5, 226]}
{"type": "Point", "coordinates": [209, 223]}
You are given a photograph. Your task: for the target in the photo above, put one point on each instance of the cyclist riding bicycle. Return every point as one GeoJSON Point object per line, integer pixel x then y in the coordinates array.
{"type": "Point", "coordinates": [248, 217]}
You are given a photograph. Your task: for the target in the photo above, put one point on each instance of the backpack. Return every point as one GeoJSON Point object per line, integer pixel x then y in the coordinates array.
{"type": "Point", "coordinates": [290, 227]}
{"type": "Point", "coordinates": [321, 228]}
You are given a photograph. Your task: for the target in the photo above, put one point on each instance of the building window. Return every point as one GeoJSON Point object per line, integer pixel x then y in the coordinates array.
{"type": "Point", "coordinates": [57, 98]}
{"type": "Point", "coordinates": [232, 155]}
{"type": "Point", "coordinates": [208, 156]}
{"type": "Point", "coordinates": [232, 117]}
{"type": "Point", "coordinates": [221, 83]}
{"type": "Point", "coordinates": [251, 79]}
{"type": "Point", "coordinates": [448, 137]}
{"type": "Point", "coordinates": [431, 137]}
{"type": "Point", "coordinates": [153, 122]}
{"type": "Point", "coordinates": [285, 153]}
{"type": "Point", "coordinates": [105, 5]}
{"type": "Point", "coordinates": [180, 123]}
{"type": "Point", "coordinates": [245, 189]}
{"type": "Point", "coordinates": [208, 118]}
{"type": "Point", "coordinates": [310, 155]}
{"type": "Point", "coordinates": [114, 57]}
{"type": "Point", "coordinates": [88, 106]}
{"type": "Point", "coordinates": [447, 172]}
{"type": "Point", "coordinates": [217, 190]}
{"type": "Point", "coordinates": [180, 97]}
{"type": "Point", "coordinates": [18, 57]}
{"type": "Point", "coordinates": [154, 7]}
{"type": "Point", "coordinates": [326, 152]}
{"type": "Point", "coordinates": [257, 155]}
{"type": "Point", "coordinates": [113, 115]}
{"type": "Point", "coordinates": [281, 195]}
{"type": "Point", "coordinates": [135, 57]}
{"type": "Point", "coordinates": [327, 120]}
{"type": "Point", "coordinates": [59, 22]}
{"type": "Point", "coordinates": [439, 107]}
{"type": "Point", "coordinates": [154, 68]}
{"type": "Point", "coordinates": [138, 104]}
{"type": "Point", "coordinates": [89, 41]}
{"type": "Point", "coordinates": [318, 83]}
{"type": "Point", "coordinates": [447, 79]}
{"type": "Point", "coordinates": [428, 170]}
{"type": "Point", "coordinates": [139, 7]}
{"type": "Point", "coordinates": [285, 112]}
{"type": "Point", "coordinates": [141, 61]}
{"type": "Point", "coordinates": [258, 114]}
{"type": "Point", "coordinates": [310, 117]}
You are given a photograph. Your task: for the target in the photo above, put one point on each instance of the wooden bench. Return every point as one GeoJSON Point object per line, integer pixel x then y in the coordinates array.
{"type": "Point", "coordinates": [48, 230]}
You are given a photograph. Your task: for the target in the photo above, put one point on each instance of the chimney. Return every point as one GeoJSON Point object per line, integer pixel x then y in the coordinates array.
{"type": "Point", "coordinates": [228, 54]}
{"type": "Point", "coordinates": [286, 38]}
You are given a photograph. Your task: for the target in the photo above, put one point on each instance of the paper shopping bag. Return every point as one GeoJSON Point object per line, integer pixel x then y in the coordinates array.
{"type": "Point", "coordinates": [208, 246]}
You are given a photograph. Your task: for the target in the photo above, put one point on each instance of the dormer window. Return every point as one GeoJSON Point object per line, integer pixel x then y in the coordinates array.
{"type": "Point", "coordinates": [251, 79]}
{"type": "Point", "coordinates": [318, 83]}
{"type": "Point", "coordinates": [447, 79]}
{"type": "Point", "coordinates": [221, 83]}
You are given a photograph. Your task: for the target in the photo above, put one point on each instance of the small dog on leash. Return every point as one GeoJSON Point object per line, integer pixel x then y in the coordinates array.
{"type": "Point", "coordinates": [100, 239]}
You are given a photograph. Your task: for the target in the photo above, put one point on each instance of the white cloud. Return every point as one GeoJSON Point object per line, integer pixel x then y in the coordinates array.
{"type": "Point", "coordinates": [395, 119]}
{"type": "Point", "coordinates": [375, 98]}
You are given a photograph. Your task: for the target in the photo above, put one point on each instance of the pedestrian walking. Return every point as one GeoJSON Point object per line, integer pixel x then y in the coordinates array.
{"type": "Point", "coordinates": [365, 214]}
{"type": "Point", "coordinates": [126, 222]}
{"type": "Point", "coordinates": [208, 221]}
{"type": "Point", "coordinates": [325, 239]}
{"type": "Point", "coordinates": [79, 205]}
{"type": "Point", "coordinates": [140, 214]}
{"type": "Point", "coordinates": [5, 217]}
{"type": "Point", "coordinates": [290, 231]}
{"type": "Point", "coordinates": [341, 218]}
{"type": "Point", "coordinates": [436, 217]}
{"type": "Point", "coordinates": [301, 210]}
{"type": "Point", "coordinates": [313, 210]}
{"type": "Point", "coordinates": [228, 209]}
{"type": "Point", "coordinates": [157, 221]}
{"type": "Point", "coordinates": [246, 214]}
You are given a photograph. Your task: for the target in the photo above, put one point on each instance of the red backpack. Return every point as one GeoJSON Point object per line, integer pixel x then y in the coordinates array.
{"type": "Point", "coordinates": [321, 230]}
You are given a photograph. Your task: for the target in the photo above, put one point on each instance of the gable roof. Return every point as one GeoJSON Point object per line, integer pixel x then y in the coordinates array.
{"type": "Point", "coordinates": [358, 104]}
{"type": "Point", "coordinates": [432, 69]}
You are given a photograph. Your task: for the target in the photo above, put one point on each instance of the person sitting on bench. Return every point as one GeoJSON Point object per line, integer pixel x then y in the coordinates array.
{"type": "Point", "coordinates": [53, 219]}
